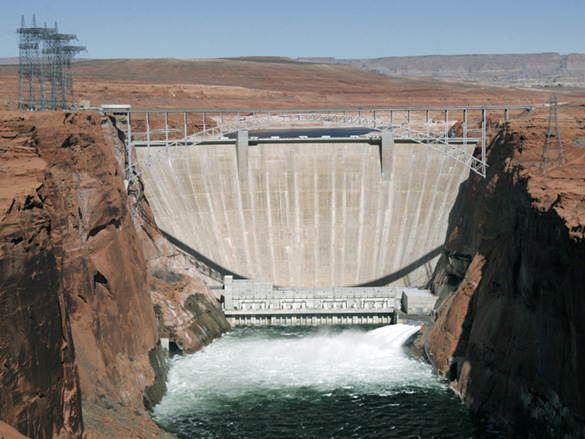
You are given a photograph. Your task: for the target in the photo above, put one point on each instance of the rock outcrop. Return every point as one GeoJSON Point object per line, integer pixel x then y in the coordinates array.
{"type": "Point", "coordinates": [186, 310]}
{"type": "Point", "coordinates": [510, 328]}
{"type": "Point", "coordinates": [40, 394]}
{"type": "Point", "coordinates": [7, 432]}
{"type": "Point", "coordinates": [80, 350]}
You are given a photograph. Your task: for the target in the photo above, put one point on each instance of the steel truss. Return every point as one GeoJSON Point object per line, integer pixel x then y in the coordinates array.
{"type": "Point", "coordinates": [454, 148]}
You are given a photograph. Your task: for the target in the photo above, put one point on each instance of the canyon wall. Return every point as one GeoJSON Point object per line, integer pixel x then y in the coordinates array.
{"type": "Point", "coordinates": [510, 328]}
{"type": "Point", "coordinates": [79, 258]}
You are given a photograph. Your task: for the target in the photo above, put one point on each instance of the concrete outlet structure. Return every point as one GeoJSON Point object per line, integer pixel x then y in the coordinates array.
{"type": "Point", "coordinates": [418, 302]}
{"type": "Point", "coordinates": [258, 302]}
{"type": "Point", "coordinates": [308, 212]}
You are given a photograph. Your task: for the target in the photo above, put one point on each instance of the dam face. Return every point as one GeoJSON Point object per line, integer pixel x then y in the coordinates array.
{"type": "Point", "coordinates": [310, 212]}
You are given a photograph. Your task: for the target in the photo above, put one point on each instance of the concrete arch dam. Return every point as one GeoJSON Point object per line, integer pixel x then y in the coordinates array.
{"type": "Point", "coordinates": [307, 212]}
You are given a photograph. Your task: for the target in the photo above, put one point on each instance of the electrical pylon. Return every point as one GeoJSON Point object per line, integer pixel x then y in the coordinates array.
{"type": "Point", "coordinates": [553, 155]}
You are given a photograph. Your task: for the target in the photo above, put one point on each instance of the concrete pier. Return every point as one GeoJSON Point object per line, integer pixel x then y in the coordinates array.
{"type": "Point", "coordinates": [387, 155]}
{"type": "Point", "coordinates": [242, 154]}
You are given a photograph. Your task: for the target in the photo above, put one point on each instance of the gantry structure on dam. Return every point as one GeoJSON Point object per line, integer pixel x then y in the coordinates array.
{"type": "Point", "coordinates": [434, 127]}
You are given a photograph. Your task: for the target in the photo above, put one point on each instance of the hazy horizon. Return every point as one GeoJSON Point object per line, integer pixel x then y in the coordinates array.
{"type": "Point", "coordinates": [14, 59]}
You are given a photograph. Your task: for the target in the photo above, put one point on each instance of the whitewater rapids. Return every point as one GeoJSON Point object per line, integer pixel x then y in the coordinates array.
{"type": "Point", "coordinates": [284, 360]}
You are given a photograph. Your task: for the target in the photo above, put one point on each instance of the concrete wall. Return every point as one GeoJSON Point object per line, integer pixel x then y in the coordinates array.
{"type": "Point", "coordinates": [308, 214]}
{"type": "Point", "coordinates": [260, 295]}
{"type": "Point", "coordinates": [418, 301]}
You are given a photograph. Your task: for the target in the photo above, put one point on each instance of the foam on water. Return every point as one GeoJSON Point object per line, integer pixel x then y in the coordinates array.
{"type": "Point", "coordinates": [282, 362]}
{"type": "Point", "coordinates": [311, 382]}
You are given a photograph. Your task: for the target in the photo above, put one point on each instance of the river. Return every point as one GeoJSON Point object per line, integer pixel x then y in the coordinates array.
{"type": "Point", "coordinates": [312, 382]}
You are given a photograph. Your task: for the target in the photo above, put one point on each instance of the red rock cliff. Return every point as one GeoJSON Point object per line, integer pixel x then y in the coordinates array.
{"type": "Point", "coordinates": [79, 349]}
{"type": "Point", "coordinates": [511, 280]}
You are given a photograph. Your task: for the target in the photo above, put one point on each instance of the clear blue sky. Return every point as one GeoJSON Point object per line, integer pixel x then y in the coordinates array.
{"type": "Point", "coordinates": [297, 28]}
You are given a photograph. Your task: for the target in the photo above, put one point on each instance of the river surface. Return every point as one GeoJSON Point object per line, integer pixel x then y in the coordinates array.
{"type": "Point", "coordinates": [312, 382]}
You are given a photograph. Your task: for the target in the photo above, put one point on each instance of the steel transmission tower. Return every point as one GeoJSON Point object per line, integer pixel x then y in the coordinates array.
{"type": "Point", "coordinates": [553, 150]}
{"type": "Point", "coordinates": [29, 66]}
{"type": "Point", "coordinates": [45, 80]}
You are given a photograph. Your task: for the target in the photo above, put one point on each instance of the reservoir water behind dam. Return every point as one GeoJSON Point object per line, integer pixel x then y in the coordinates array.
{"type": "Point", "coordinates": [312, 382]}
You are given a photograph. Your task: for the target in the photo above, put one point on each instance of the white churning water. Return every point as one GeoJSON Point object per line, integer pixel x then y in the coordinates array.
{"type": "Point", "coordinates": [284, 360]}
{"type": "Point", "coordinates": [313, 382]}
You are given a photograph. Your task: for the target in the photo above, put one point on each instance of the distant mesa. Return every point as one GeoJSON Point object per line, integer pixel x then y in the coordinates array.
{"type": "Point", "coordinates": [532, 70]}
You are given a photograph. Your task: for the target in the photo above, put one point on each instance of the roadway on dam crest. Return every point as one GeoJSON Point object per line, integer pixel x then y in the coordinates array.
{"type": "Point", "coordinates": [308, 212]}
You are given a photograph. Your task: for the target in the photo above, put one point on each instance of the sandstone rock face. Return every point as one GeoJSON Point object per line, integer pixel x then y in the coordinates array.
{"type": "Point", "coordinates": [7, 432]}
{"type": "Point", "coordinates": [39, 391]}
{"type": "Point", "coordinates": [79, 331]}
{"type": "Point", "coordinates": [511, 284]}
{"type": "Point", "coordinates": [186, 310]}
